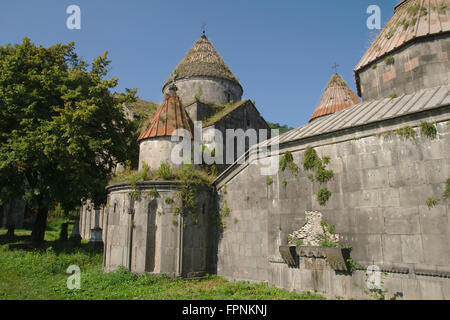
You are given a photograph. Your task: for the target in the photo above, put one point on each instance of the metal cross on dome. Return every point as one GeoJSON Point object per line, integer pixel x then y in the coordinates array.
{"type": "Point", "coordinates": [204, 28]}
{"type": "Point", "coordinates": [335, 66]}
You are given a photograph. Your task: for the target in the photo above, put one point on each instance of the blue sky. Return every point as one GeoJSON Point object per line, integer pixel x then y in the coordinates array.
{"type": "Point", "coordinates": [282, 51]}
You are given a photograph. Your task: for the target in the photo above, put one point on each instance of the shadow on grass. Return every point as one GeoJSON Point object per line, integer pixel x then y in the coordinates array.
{"type": "Point", "coordinates": [24, 243]}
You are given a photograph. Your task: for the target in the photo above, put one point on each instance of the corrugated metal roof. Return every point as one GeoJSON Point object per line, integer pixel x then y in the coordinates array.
{"type": "Point", "coordinates": [371, 111]}
{"type": "Point", "coordinates": [412, 19]}
{"type": "Point", "coordinates": [169, 117]}
{"type": "Point", "coordinates": [337, 96]}
{"type": "Point", "coordinates": [202, 60]}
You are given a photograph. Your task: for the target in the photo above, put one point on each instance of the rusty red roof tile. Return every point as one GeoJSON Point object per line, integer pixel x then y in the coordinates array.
{"type": "Point", "coordinates": [169, 117]}
{"type": "Point", "coordinates": [337, 96]}
{"type": "Point", "coordinates": [412, 19]}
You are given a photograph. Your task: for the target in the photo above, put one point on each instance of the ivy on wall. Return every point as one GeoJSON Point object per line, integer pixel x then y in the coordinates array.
{"type": "Point", "coordinates": [317, 166]}
{"type": "Point", "coordinates": [287, 161]}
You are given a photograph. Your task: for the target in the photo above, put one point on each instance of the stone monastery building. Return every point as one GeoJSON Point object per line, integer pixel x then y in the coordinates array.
{"type": "Point", "coordinates": [363, 184]}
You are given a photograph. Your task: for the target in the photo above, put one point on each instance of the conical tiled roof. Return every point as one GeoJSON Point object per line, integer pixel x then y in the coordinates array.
{"type": "Point", "coordinates": [169, 117]}
{"type": "Point", "coordinates": [337, 96]}
{"type": "Point", "coordinates": [202, 60]}
{"type": "Point", "coordinates": [412, 19]}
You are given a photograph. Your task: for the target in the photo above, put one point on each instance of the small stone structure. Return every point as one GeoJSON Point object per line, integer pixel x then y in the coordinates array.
{"type": "Point", "coordinates": [314, 231]}
{"type": "Point", "coordinates": [150, 234]}
{"type": "Point", "coordinates": [75, 237]}
{"type": "Point", "coordinates": [13, 214]}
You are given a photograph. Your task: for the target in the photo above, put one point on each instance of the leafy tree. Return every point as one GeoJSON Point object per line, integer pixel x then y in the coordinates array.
{"type": "Point", "coordinates": [283, 128]}
{"type": "Point", "coordinates": [62, 131]}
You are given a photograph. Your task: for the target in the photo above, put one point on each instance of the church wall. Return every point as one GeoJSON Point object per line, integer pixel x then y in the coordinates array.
{"type": "Point", "coordinates": [153, 231]}
{"type": "Point", "coordinates": [212, 90]}
{"type": "Point", "coordinates": [156, 150]}
{"type": "Point", "coordinates": [244, 118]}
{"type": "Point", "coordinates": [420, 65]}
{"type": "Point", "coordinates": [378, 206]}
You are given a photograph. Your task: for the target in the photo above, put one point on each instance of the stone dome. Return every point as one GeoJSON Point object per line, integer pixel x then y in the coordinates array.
{"type": "Point", "coordinates": [203, 75]}
{"type": "Point", "coordinates": [337, 96]}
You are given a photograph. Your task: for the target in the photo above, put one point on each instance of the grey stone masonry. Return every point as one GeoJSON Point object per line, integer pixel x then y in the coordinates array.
{"type": "Point", "coordinates": [423, 64]}
{"type": "Point", "coordinates": [149, 233]}
{"type": "Point", "coordinates": [378, 206]}
{"type": "Point", "coordinates": [208, 89]}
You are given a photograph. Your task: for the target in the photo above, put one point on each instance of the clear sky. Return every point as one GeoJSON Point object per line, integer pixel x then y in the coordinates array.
{"type": "Point", "coordinates": [282, 51]}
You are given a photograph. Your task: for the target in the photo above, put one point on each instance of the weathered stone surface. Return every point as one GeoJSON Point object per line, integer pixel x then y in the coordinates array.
{"type": "Point", "coordinates": [147, 236]}
{"type": "Point", "coordinates": [313, 232]}
{"type": "Point", "coordinates": [380, 211]}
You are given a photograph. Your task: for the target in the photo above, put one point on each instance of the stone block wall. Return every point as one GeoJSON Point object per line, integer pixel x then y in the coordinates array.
{"type": "Point", "coordinates": [149, 235]}
{"type": "Point", "coordinates": [246, 118]}
{"type": "Point", "coordinates": [378, 206]}
{"type": "Point", "coordinates": [422, 65]}
{"type": "Point", "coordinates": [213, 90]}
{"type": "Point", "coordinates": [89, 217]}
{"type": "Point", "coordinates": [156, 150]}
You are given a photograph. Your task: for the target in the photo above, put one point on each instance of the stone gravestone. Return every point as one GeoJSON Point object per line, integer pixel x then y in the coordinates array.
{"type": "Point", "coordinates": [75, 237]}
{"type": "Point", "coordinates": [96, 238]}
{"type": "Point", "coordinates": [64, 232]}
{"type": "Point", "coordinates": [96, 233]}
{"type": "Point", "coordinates": [13, 213]}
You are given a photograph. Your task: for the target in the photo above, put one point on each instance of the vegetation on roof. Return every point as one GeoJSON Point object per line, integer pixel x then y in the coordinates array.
{"type": "Point", "coordinates": [166, 173]}
{"type": "Point", "coordinates": [337, 80]}
{"type": "Point", "coordinates": [406, 20]}
{"type": "Point", "coordinates": [202, 60]}
{"type": "Point", "coordinates": [220, 111]}
{"type": "Point", "coordinates": [200, 68]}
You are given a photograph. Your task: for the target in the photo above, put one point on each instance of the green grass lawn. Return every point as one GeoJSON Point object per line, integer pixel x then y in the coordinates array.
{"type": "Point", "coordinates": [40, 273]}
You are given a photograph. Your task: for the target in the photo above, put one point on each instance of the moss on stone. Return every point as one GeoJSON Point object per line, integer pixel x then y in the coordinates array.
{"type": "Point", "coordinates": [428, 129]}
{"type": "Point", "coordinates": [219, 111]}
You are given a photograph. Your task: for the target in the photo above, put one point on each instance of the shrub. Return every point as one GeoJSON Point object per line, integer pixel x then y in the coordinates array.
{"type": "Point", "coordinates": [323, 195]}
{"type": "Point", "coordinates": [432, 202]}
{"type": "Point", "coordinates": [389, 60]}
{"type": "Point", "coordinates": [287, 161]}
{"type": "Point", "coordinates": [311, 159]}
{"type": "Point", "coordinates": [428, 129]}
{"type": "Point", "coordinates": [446, 193]}
{"type": "Point", "coordinates": [393, 96]}
{"type": "Point", "coordinates": [406, 133]}
{"type": "Point", "coordinates": [165, 171]}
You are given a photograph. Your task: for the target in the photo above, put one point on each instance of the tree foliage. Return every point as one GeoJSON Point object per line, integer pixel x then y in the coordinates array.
{"type": "Point", "coordinates": [283, 128]}
{"type": "Point", "coordinates": [62, 131]}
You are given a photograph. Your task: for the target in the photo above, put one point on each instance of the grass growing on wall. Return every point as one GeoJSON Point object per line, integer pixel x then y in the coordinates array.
{"type": "Point", "coordinates": [166, 173]}
{"type": "Point", "coordinates": [287, 161]}
{"type": "Point", "coordinates": [428, 129]}
{"type": "Point", "coordinates": [406, 133]}
{"type": "Point", "coordinates": [38, 274]}
{"type": "Point", "coordinates": [312, 162]}
{"type": "Point", "coordinates": [446, 193]}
